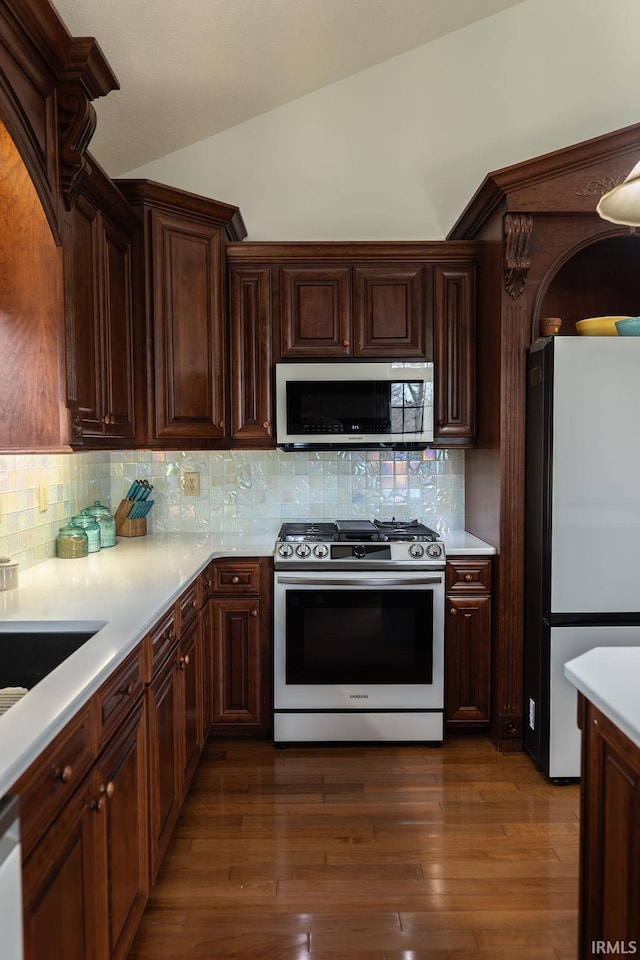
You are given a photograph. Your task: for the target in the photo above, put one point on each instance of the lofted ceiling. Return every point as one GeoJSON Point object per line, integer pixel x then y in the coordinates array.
{"type": "Point", "coordinates": [189, 70]}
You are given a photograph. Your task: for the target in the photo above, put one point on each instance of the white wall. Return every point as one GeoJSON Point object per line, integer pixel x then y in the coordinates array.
{"type": "Point", "coordinates": [397, 151]}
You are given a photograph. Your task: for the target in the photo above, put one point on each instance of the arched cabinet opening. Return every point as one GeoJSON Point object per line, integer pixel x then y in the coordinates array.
{"type": "Point", "coordinates": [33, 415]}
{"type": "Point", "coordinates": [601, 279]}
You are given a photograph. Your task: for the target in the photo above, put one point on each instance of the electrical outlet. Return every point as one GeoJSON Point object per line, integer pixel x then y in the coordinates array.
{"type": "Point", "coordinates": [192, 484]}
{"type": "Point", "coordinates": [43, 493]}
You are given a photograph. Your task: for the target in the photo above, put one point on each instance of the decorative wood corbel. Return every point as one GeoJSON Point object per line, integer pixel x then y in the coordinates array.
{"type": "Point", "coordinates": [86, 75]}
{"type": "Point", "coordinates": [518, 228]}
{"type": "Point", "coordinates": [77, 126]}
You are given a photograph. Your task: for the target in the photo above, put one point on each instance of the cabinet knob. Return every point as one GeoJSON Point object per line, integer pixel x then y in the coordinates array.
{"type": "Point", "coordinates": [453, 611]}
{"type": "Point", "coordinates": [345, 343]}
{"type": "Point", "coordinates": [254, 613]}
{"type": "Point", "coordinates": [194, 602]}
{"type": "Point", "coordinates": [184, 661]}
{"type": "Point", "coordinates": [65, 774]}
{"type": "Point", "coordinates": [468, 576]}
{"type": "Point", "coordinates": [235, 579]}
{"type": "Point", "coordinates": [222, 424]}
{"type": "Point", "coordinates": [107, 790]}
{"type": "Point", "coordinates": [266, 424]}
{"type": "Point", "coordinates": [128, 690]}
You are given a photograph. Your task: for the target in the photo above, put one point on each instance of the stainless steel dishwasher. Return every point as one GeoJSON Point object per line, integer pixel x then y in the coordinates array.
{"type": "Point", "coordinates": [10, 881]}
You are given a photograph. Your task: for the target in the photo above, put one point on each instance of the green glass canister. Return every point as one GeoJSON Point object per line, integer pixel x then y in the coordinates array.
{"type": "Point", "coordinates": [106, 521]}
{"type": "Point", "coordinates": [92, 529]}
{"type": "Point", "coordinates": [72, 542]}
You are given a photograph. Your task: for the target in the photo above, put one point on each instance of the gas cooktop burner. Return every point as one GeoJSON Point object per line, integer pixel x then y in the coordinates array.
{"type": "Point", "coordinates": [404, 530]}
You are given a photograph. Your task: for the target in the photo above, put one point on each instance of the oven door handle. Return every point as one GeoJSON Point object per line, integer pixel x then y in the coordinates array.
{"type": "Point", "coordinates": [362, 581]}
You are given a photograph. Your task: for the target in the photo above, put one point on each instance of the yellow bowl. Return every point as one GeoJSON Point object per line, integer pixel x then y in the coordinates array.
{"type": "Point", "coordinates": [598, 326]}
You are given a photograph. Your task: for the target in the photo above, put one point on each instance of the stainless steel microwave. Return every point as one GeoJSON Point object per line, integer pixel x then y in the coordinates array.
{"type": "Point", "coordinates": [354, 404]}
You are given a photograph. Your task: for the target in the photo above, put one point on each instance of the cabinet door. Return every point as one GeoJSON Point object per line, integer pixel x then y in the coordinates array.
{"type": "Point", "coordinates": [84, 335]}
{"type": "Point", "coordinates": [251, 358]}
{"type": "Point", "coordinates": [392, 315]}
{"type": "Point", "coordinates": [237, 687]}
{"type": "Point", "coordinates": [164, 760]}
{"type": "Point", "coordinates": [121, 815]}
{"type": "Point", "coordinates": [190, 670]}
{"type": "Point", "coordinates": [610, 835]}
{"type": "Point", "coordinates": [468, 659]}
{"type": "Point", "coordinates": [189, 342]}
{"type": "Point", "coordinates": [207, 668]}
{"type": "Point", "coordinates": [316, 311]}
{"type": "Point", "coordinates": [60, 885]}
{"type": "Point", "coordinates": [454, 345]}
{"type": "Point", "coordinates": [117, 327]}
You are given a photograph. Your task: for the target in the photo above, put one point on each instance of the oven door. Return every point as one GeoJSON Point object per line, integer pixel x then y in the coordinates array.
{"type": "Point", "coordinates": [365, 641]}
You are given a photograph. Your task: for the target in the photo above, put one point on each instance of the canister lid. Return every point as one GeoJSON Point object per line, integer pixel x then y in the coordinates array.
{"type": "Point", "coordinates": [8, 562]}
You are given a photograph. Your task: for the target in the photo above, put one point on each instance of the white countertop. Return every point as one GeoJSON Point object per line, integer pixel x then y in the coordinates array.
{"type": "Point", "coordinates": [121, 591]}
{"type": "Point", "coordinates": [610, 678]}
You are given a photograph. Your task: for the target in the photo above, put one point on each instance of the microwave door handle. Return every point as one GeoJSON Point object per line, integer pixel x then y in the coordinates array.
{"type": "Point", "coordinates": [361, 582]}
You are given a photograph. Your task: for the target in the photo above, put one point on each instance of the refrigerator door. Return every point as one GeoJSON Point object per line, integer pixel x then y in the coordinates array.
{"type": "Point", "coordinates": [564, 735]}
{"type": "Point", "coordinates": [595, 520]}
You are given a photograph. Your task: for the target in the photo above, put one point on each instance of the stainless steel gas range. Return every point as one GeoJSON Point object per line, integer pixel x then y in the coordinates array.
{"type": "Point", "coordinates": [358, 632]}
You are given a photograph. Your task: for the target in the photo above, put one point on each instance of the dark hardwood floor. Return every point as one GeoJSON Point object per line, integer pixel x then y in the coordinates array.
{"type": "Point", "coordinates": [367, 853]}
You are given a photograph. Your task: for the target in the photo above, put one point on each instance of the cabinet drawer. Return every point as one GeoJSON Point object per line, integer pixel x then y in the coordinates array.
{"type": "Point", "coordinates": [51, 780]}
{"type": "Point", "coordinates": [188, 604]}
{"type": "Point", "coordinates": [117, 695]}
{"type": "Point", "coordinates": [161, 640]}
{"type": "Point", "coordinates": [236, 578]}
{"type": "Point", "coordinates": [469, 576]}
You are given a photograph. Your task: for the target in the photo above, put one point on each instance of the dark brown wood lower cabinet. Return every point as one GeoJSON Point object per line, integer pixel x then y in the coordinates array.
{"type": "Point", "coordinates": [85, 883]}
{"type": "Point", "coordinates": [610, 838]}
{"type": "Point", "coordinates": [60, 885]}
{"type": "Point", "coordinates": [190, 722]}
{"type": "Point", "coordinates": [468, 643]}
{"type": "Point", "coordinates": [120, 809]}
{"type": "Point", "coordinates": [240, 644]}
{"type": "Point", "coordinates": [164, 761]}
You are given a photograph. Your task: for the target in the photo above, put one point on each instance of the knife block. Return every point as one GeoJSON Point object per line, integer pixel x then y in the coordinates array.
{"type": "Point", "coordinates": [126, 527]}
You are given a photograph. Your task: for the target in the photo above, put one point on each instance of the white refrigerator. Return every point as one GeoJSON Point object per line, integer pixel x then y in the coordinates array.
{"type": "Point", "coordinates": [582, 527]}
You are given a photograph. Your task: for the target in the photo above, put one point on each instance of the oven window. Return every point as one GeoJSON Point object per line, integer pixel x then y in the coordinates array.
{"type": "Point", "coordinates": [359, 636]}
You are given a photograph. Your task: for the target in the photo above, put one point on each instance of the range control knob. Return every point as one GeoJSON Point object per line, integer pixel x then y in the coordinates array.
{"type": "Point", "coordinates": [321, 550]}
{"type": "Point", "coordinates": [359, 550]}
{"type": "Point", "coordinates": [303, 550]}
{"type": "Point", "coordinates": [416, 550]}
{"type": "Point", "coordinates": [285, 549]}
{"type": "Point", "coordinates": [434, 549]}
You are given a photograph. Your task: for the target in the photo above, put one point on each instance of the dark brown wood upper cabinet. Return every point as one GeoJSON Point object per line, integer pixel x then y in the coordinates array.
{"type": "Point", "coordinates": [316, 311]}
{"type": "Point", "coordinates": [391, 315]}
{"type": "Point", "coordinates": [250, 357]}
{"type": "Point", "coordinates": [100, 363]}
{"type": "Point", "coordinates": [179, 270]}
{"type": "Point", "coordinates": [355, 311]}
{"type": "Point", "coordinates": [454, 339]}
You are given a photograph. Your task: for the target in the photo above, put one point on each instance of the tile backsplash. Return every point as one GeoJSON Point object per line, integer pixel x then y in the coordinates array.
{"type": "Point", "coordinates": [71, 482]}
{"type": "Point", "coordinates": [240, 491]}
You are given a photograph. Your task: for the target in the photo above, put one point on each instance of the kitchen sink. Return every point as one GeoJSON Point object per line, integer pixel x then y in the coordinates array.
{"type": "Point", "coordinates": [31, 650]}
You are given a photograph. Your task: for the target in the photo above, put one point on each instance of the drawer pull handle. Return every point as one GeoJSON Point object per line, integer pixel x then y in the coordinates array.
{"type": "Point", "coordinates": [235, 579]}
{"type": "Point", "coordinates": [184, 661]}
{"type": "Point", "coordinates": [128, 690]}
{"type": "Point", "coordinates": [107, 790]}
{"type": "Point", "coordinates": [468, 576]}
{"type": "Point", "coordinates": [65, 774]}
